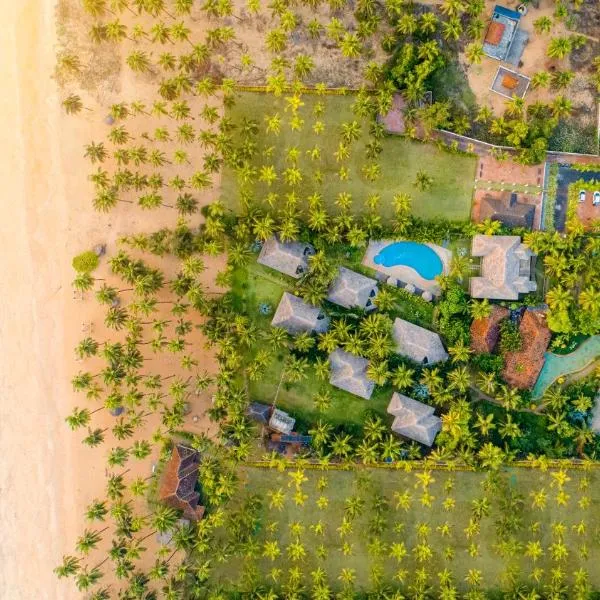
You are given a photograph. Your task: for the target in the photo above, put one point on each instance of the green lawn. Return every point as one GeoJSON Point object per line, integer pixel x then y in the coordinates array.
{"type": "Point", "coordinates": [401, 525]}
{"type": "Point", "coordinates": [254, 285]}
{"type": "Point", "coordinates": [453, 175]}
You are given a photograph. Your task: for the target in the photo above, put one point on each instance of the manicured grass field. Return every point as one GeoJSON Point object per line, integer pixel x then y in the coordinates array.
{"type": "Point", "coordinates": [448, 499]}
{"type": "Point", "coordinates": [449, 197]}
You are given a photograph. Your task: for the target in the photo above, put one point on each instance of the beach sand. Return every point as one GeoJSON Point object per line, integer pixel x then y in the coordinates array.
{"type": "Point", "coordinates": [46, 475]}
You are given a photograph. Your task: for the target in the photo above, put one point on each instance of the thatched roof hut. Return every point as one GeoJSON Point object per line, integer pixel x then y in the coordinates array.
{"type": "Point", "coordinates": [349, 373]}
{"type": "Point", "coordinates": [178, 482]}
{"type": "Point", "coordinates": [413, 419]}
{"type": "Point", "coordinates": [417, 343]}
{"type": "Point", "coordinates": [506, 267]}
{"type": "Point", "coordinates": [290, 258]}
{"type": "Point", "coordinates": [296, 316]}
{"type": "Point", "coordinates": [352, 290]}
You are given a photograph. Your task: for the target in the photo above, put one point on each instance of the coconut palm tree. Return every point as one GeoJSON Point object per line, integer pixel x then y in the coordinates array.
{"type": "Point", "coordinates": [559, 47]}
{"type": "Point", "coordinates": [423, 181]}
{"type": "Point", "coordinates": [402, 377]}
{"type": "Point", "coordinates": [474, 53]}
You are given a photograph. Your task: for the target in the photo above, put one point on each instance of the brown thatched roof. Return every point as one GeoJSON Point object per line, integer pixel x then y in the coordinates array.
{"type": "Point", "coordinates": [178, 482]}
{"type": "Point", "coordinates": [522, 368]}
{"type": "Point", "coordinates": [486, 332]}
{"type": "Point", "coordinates": [495, 33]}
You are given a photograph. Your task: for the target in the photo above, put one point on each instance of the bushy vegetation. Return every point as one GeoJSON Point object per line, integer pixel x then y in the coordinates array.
{"type": "Point", "coordinates": [86, 262]}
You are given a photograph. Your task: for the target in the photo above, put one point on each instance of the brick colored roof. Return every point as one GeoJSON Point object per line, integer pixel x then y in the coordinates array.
{"type": "Point", "coordinates": [177, 486]}
{"type": "Point", "coordinates": [494, 33]}
{"type": "Point", "coordinates": [485, 332]}
{"type": "Point", "coordinates": [522, 368]}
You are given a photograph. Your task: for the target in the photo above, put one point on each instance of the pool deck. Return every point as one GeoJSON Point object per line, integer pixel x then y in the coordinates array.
{"type": "Point", "coordinates": [401, 275]}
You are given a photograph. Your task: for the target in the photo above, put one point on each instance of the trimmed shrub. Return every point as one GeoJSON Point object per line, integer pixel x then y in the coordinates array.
{"type": "Point", "coordinates": [86, 262]}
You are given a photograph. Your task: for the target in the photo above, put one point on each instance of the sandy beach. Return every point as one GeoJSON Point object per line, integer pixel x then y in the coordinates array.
{"type": "Point", "coordinates": [46, 475]}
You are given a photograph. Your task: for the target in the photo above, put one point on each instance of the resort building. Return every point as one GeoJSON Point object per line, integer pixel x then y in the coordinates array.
{"type": "Point", "coordinates": [506, 267]}
{"type": "Point", "coordinates": [290, 258]}
{"type": "Point", "coordinates": [349, 372]}
{"type": "Point", "coordinates": [409, 265]}
{"type": "Point", "coordinates": [413, 419]}
{"type": "Point", "coordinates": [352, 290]}
{"type": "Point", "coordinates": [417, 343]}
{"type": "Point", "coordinates": [485, 333]}
{"type": "Point", "coordinates": [504, 39]}
{"type": "Point", "coordinates": [523, 367]}
{"type": "Point", "coordinates": [258, 412]}
{"type": "Point", "coordinates": [282, 422]}
{"type": "Point", "coordinates": [178, 483]}
{"type": "Point", "coordinates": [509, 209]}
{"type": "Point", "coordinates": [296, 316]}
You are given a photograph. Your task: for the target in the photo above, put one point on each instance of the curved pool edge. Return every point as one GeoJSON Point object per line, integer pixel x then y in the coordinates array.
{"type": "Point", "coordinates": [537, 394]}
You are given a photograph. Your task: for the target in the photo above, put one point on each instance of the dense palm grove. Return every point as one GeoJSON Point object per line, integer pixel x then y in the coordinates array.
{"type": "Point", "coordinates": [143, 366]}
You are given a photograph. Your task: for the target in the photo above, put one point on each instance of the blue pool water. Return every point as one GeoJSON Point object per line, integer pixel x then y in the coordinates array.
{"type": "Point", "coordinates": [557, 365]}
{"type": "Point", "coordinates": [419, 257]}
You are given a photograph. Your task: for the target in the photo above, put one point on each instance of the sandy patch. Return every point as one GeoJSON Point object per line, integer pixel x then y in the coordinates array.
{"type": "Point", "coordinates": [47, 476]}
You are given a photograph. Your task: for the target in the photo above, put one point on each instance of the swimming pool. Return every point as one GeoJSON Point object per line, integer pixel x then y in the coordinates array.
{"type": "Point", "coordinates": [424, 260]}
{"type": "Point", "coordinates": [558, 365]}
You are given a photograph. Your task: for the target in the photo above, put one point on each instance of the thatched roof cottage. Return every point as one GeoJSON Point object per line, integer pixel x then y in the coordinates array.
{"type": "Point", "coordinates": [417, 343]}
{"type": "Point", "coordinates": [296, 316]}
{"type": "Point", "coordinates": [413, 419]}
{"type": "Point", "coordinates": [352, 290]}
{"type": "Point", "coordinates": [290, 258]}
{"type": "Point", "coordinates": [178, 482]}
{"type": "Point", "coordinates": [349, 373]}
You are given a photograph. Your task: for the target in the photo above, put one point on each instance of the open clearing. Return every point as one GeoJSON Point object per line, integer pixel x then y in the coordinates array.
{"type": "Point", "coordinates": [449, 197]}
{"type": "Point", "coordinates": [425, 509]}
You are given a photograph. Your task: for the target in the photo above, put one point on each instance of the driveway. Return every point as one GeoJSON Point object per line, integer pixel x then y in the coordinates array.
{"type": "Point", "coordinates": [566, 176]}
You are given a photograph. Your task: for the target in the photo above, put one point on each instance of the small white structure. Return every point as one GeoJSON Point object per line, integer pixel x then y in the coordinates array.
{"type": "Point", "coordinates": [413, 419]}
{"type": "Point", "coordinates": [296, 316]}
{"type": "Point", "coordinates": [352, 290]}
{"type": "Point", "coordinates": [417, 343]}
{"type": "Point", "coordinates": [506, 267]}
{"type": "Point", "coordinates": [281, 421]}
{"type": "Point", "coordinates": [290, 258]}
{"type": "Point", "coordinates": [349, 373]}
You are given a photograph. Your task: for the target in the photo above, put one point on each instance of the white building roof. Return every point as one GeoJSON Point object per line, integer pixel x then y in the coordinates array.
{"type": "Point", "coordinates": [505, 267]}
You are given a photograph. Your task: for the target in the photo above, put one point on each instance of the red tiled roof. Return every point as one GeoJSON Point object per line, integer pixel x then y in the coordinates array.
{"type": "Point", "coordinates": [177, 487]}
{"type": "Point", "coordinates": [494, 33]}
{"type": "Point", "coordinates": [522, 368]}
{"type": "Point", "coordinates": [485, 332]}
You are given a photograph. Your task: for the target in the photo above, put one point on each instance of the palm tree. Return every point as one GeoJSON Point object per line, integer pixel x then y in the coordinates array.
{"type": "Point", "coordinates": [474, 53]}
{"type": "Point", "coordinates": [480, 309]}
{"type": "Point", "coordinates": [70, 566]}
{"type": "Point", "coordinates": [542, 25]}
{"type": "Point", "coordinates": [540, 79]}
{"type": "Point", "coordinates": [423, 181]}
{"type": "Point", "coordinates": [559, 47]}
{"type": "Point", "coordinates": [73, 104]}
{"type": "Point", "coordinates": [402, 377]}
